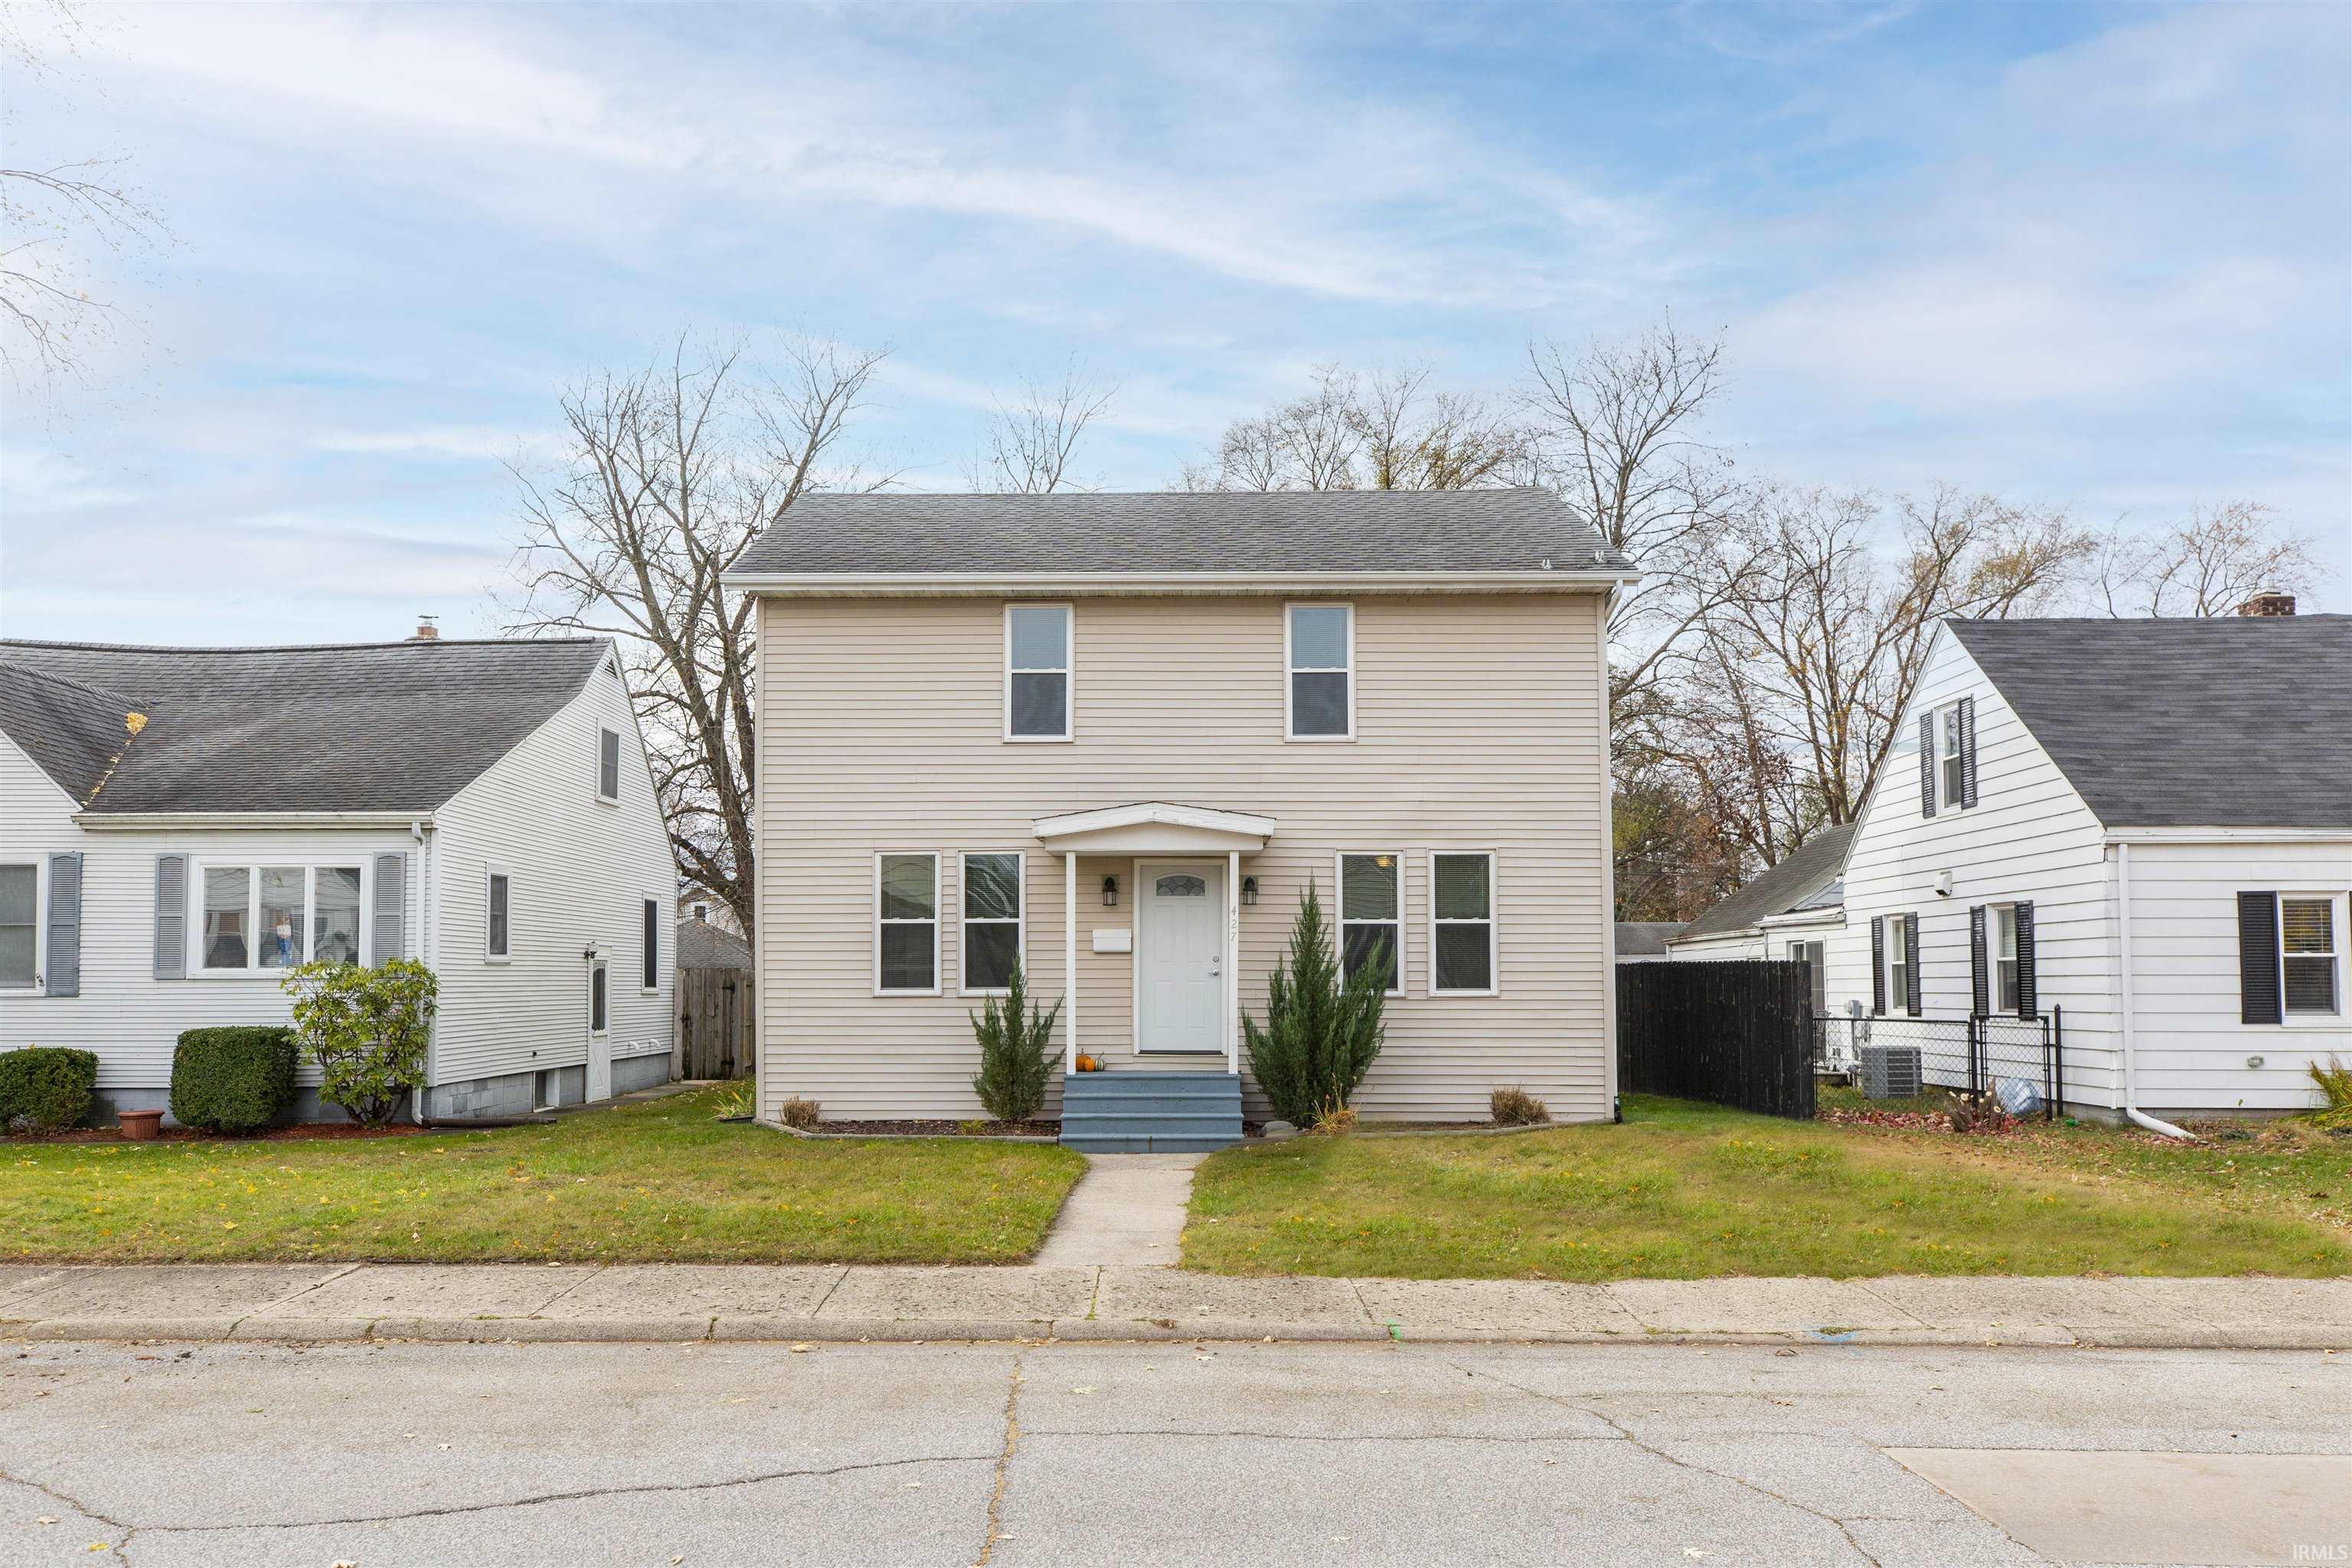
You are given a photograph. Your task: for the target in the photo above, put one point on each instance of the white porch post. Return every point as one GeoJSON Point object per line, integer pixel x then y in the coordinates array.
{"type": "Point", "coordinates": [1070, 962]}
{"type": "Point", "coordinates": [1233, 961]}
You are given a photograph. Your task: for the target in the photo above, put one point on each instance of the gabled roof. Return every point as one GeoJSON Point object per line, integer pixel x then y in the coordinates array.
{"type": "Point", "coordinates": [1644, 938]}
{"type": "Point", "coordinates": [2237, 721]}
{"type": "Point", "coordinates": [346, 727]}
{"type": "Point", "coordinates": [1329, 532]}
{"type": "Point", "coordinates": [1800, 881]}
{"type": "Point", "coordinates": [701, 945]}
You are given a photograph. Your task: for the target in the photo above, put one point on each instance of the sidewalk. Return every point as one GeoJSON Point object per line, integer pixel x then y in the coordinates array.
{"type": "Point", "coordinates": [740, 1302]}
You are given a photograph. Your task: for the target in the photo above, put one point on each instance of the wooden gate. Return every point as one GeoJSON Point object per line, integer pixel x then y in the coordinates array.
{"type": "Point", "coordinates": [714, 1023]}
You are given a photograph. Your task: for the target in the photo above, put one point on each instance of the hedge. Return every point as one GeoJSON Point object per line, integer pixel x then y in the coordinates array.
{"type": "Point", "coordinates": [234, 1077]}
{"type": "Point", "coordinates": [48, 1087]}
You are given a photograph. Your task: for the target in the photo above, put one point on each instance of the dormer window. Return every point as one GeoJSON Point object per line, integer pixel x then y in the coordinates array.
{"type": "Point", "coordinates": [1037, 673]}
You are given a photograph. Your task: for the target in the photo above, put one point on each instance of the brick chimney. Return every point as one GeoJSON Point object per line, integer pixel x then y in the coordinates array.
{"type": "Point", "coordinates": [427, 632]}
{"type": "Point", "coordinates": [2268, 602]}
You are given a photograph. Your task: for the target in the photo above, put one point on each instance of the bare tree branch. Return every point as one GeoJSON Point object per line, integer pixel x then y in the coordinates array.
{"type": "Point", "coordinates": [1028, 446]}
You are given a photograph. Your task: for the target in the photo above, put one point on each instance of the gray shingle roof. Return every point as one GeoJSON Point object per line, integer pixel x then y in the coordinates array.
{"type": "Point", "coordinates": [1644, 938]}
{"type": "Point", "coordinates": [73, 733]}
{"type": "Point", "coordinates": [2242, 722]}
{"type": "Point", "coordinates": [359, 726]}
{"type": "Point", "coordinates": [701, 945]}
{"type": "Point", "coordinates": [1797, 882]}
{"type": "Point", "coordinates": [1178, 531]}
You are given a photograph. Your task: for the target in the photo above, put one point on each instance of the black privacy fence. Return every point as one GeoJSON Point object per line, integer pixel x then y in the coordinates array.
{"type": "Point", "coordinates": [2015, 1062]}
{"type": "Point", "coordinates": [1738, 1033]}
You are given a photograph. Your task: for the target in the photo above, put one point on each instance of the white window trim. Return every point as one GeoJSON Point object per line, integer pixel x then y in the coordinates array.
{"type": "Point", "coordinates": [1019, 922]}
{"type": "Point", "coordinates": [619, 761]}
{"type": "Point", "coordinates": [1897, 964]}
{"type": "Point", "coordinates": [2337, 903]}
{"type": "Point", "coordinates": [874, 917]}
{"type": "Point", "coordinates": [655, 904]}
{"type": "Point", "coordinates": [489, 871]}
{"type": "Point", "coordinates": [39, 865]}
{"type": "Point", "coordinates": [1290, 719]}
{"type": "Point", "coordinates": [1994, 915]}
{"type": "Point", "coordinates": [1069, 672]}
{"type": "Point", "coordinates": [193, 913]}
{"type": "Point", "coordinates": [1950, 792]}
{"type": "Point", "coordinates": [1341, 922]}
{"type": "Point", "coordinates": [1493, 927]}
{"type": "Point", "coordinates": [600, 964]}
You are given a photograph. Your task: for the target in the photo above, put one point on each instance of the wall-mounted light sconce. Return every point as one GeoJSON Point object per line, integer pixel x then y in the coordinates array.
{"type": "Point", "coordinates": [1249, 890]}
{"type": "Point", "coordinates": [1110, 892]}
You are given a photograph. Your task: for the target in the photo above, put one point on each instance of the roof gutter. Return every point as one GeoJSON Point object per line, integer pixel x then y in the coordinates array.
{"type": "Point", "coordinates": [854, 585]}
{"type": "Point", "coordinates": [414, 823]}
{"type": "Point", "coordinates": [2152, 836]}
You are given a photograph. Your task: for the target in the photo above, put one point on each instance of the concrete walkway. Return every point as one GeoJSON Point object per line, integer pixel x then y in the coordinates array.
{"type": "Point", "coordinates": [1127, 1209]}
{"type": "Point", "coordinates": [744, 1302]}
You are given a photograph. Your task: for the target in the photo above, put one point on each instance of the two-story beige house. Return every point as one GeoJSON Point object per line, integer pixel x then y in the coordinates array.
{"type": "Point", "coordinates": [1114, 739]}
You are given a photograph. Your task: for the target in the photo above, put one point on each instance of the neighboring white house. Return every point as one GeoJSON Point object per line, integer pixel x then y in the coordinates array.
{"type": "Point", "coordinates": [2145, 824]}
{"type": "Point", "coordinates": [696, 902]}
{"type": "Point", "coordinates": [179, 826]}
{"type": "Point", "coordinates": [1644, 942]}
{"type": "Point", "coordinates": [1793, 910]}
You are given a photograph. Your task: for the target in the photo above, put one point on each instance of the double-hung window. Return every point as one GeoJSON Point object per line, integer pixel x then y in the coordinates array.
{"type": "Point", "coordinates": [1371, 926]}
{"type": "Point", "coordinates": [608, 765]}
{"type": "Point", "coordinates": [1319, 654]}
{"type": "Point", "coordinates": [20, 887]}
{"type": "Point", "coordinates": [907, 924]}
{"type": "Point", "coordinates": [2311, 952]}
{"type": "Point", "coordinates": [259, 919]}
{"type": "Point", "coordinates": [1462, 923]}
{"type": "Point", "coordinates": [1037, 673]}
{"type": "Point", "coordinates": [2004, 958]}
{"type": "Point", "coordinates": [497, 929]}
{"type": "Point", "coordinates": [1899, 964]}
{"type": "Point", "coordinates": [1950, 763]}
{"type": "Point", "coordinates": [992, 921]}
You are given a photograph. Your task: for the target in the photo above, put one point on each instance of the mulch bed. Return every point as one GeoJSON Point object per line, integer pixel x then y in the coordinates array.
{"type": "Point", "coordinates": [944, 1129]}
{"type": "Point", "coordinates": [300, 1133]}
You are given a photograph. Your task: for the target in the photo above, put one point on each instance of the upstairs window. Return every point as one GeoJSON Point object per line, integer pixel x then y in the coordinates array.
{"type": "Point", "coordinates": [1371, 932]}
{"type": "Point", "coordinates": [608, 765]}
{"type": "Point", "coordinates": [1948, 757]}
{"type": "Point", "coordinates": [497, 940]}
{"type": "Point", "coordinates": [1948, 754]}
{"type": "Point", "coordinates": [1320, 651]}
{"type": "Point", "coordinates": [1037, 673]}
{"type": "Point", "coordinates": [1462, 917]}
{"type": "Point", "coordinates": [906, 924]}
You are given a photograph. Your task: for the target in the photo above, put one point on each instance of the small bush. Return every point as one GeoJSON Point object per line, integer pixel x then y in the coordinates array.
{"type": "Point", "coordinates": [367, 1029]}
{"type": "Point", "coordinates": [2335, 1081]}
{"type": "Point", "coordinates": [46, 1087]}
{"type": "Point", "coordinates": [1322, 1032]}
{"type": "Point", "coordinates": [234, 1077]}
{"type": "Point", "coordinates": [1334, 1122]}
{"type": "Point", "coordinates": [1514, 1107]}
{"type": "Point", "coordinates": [1016, 1052]}
{"type": "Point", "coordinates": [801, 1113]}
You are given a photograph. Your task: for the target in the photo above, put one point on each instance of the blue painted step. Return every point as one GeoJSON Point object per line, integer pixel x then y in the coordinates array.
{"type": "Point", "coordinates": [1141, 1111]}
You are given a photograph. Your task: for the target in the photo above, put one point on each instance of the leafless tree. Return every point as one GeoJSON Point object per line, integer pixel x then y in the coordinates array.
{"type": "Point", "coordinates": [2206, 566]}
{"type": "Point", "coordinates": [1788, 711]}
{"type": "Point", "coordinates": [1382, 429]}
{"type": "Point", "coordinates": [1028, 447]}
{"type": "Point", "coordinates": [669, 471]}
{"type": "Point", "coordinates": [58, 225]}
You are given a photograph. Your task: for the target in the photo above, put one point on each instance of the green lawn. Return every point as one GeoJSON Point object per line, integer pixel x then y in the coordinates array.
{"type": "Point", "coordinates": [1684, 1190]}
{"type": "Point", "coordinates": [656, 1182]}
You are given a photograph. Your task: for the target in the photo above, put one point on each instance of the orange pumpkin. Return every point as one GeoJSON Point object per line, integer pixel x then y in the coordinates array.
{"type": "Point", "coordinates": [1089, 1064]}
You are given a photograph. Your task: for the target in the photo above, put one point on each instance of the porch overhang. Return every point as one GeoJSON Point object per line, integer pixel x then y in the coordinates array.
{"type": "Point", "coordinates": [1155, 827]}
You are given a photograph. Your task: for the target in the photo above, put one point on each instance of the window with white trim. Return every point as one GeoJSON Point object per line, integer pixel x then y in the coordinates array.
{"type": "Point", "coordinates": [993, 912]}
{"type": "Point", "coordinates": [1950, 764]}
{"type": "Point", "coordinates": [1371, 927]}
{"type": "Point", "coordinates": [1814, 954]}
{"type": "Point", "coordinates": [1036, 672]}
{"type": "Point", "coordinates": [608, 765]}
{"type": "Point", "coordinates": [1320, 659]}
{"type": "Point", "coordinates": [1462, 923]}
{"type": "Point", "coordinates": [649, 947]}
{"type": "Point", "coordinates": [259, 920]}
{"type": "Point", "coordinates": [906, 924]}
{"type": "Point", "coordinates": [2004, 957]}
{"type": "Point", "coordinates": [1899, 965]}
{"type": "Point", "coordinates": [2311, 955]}
{"type": "Point", "coordinates": [20, 924]}
{"type": "Point", "coordinates": [498, 927]}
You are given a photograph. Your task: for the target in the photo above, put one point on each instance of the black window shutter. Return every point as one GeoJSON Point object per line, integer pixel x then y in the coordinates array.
{"type": "Point", "coordinates": [2026, 1001]}
{"type": "Point", "coordinates": [1979, 990]}
{"type": "Point", "coordinates": [1878, 964]}
{"type": "Point", "coordinates": [1911, 961]}
{"type": "Point", "coordinates": [2258, 959]}
{"type": "Point", "coordinates": [1967, 751]}
{"type": "Point", "coordinates": [1926, 764]}
{"type": "Point", "coordinates": [171, 917]}
{"type": "Point", "coordinates": [63, 972]}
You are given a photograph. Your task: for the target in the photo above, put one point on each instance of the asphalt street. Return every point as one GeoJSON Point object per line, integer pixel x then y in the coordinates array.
{"type": "Point", "coordinates": [249, 1456]}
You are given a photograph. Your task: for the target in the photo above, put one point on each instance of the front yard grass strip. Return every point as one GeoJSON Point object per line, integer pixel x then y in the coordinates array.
{"type": "Point", "coordinates": [1686, 1191]}
{"type": "Point", "coordinates": [659, 1182]}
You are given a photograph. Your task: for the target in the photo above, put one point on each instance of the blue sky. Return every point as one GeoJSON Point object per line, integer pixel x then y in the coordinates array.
{"type": "Point", "coordinates": [2078, 253]}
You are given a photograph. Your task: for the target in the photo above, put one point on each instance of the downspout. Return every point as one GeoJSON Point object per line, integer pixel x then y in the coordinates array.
{"type": "Point", "coordinates": [2131, 1092]}
{"type": "Point", "coordinates": [426, 894]}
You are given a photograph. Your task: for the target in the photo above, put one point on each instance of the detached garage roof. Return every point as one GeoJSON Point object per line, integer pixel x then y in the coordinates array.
{"type": "Point", "coordinates": [2236, 721]}
{"type": "Point", "coordinates": [356, 727]}
{"type": "Point", "coordinates": [1807, 880]}
{"type": "Point", "coordinates": [1157, 532]}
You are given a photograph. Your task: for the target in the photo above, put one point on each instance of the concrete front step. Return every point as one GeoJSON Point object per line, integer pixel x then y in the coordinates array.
{"type": "Point", "coordinates": [1087, 1125]}
{"type": "Point", "coordinates": [1226, 1104]}
{"type": "Point", "coordinates": [1108, 1083]}
{"type": "Point", "coordinates": [1155, 1143]}
{"type": "Point", "coordinates": [1151, 1112]}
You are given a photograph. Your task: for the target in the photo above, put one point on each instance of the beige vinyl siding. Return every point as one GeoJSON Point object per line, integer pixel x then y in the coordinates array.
{"type": "Point", "coordinates": [1479, 727]}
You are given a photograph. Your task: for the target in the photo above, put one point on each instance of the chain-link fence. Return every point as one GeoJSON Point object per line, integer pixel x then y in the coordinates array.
{"type": "Point", "coordinates": [2016, 1062]}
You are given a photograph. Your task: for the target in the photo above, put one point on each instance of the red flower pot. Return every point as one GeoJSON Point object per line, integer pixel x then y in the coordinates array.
{"type": "Point", "coordinates": [139, 1126]}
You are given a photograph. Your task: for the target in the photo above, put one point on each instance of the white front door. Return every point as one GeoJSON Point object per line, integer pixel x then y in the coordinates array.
{"type": "Point", "coordinates": [600, 1036]}
{"type": "Point", "coordinates": [1179, 956]}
